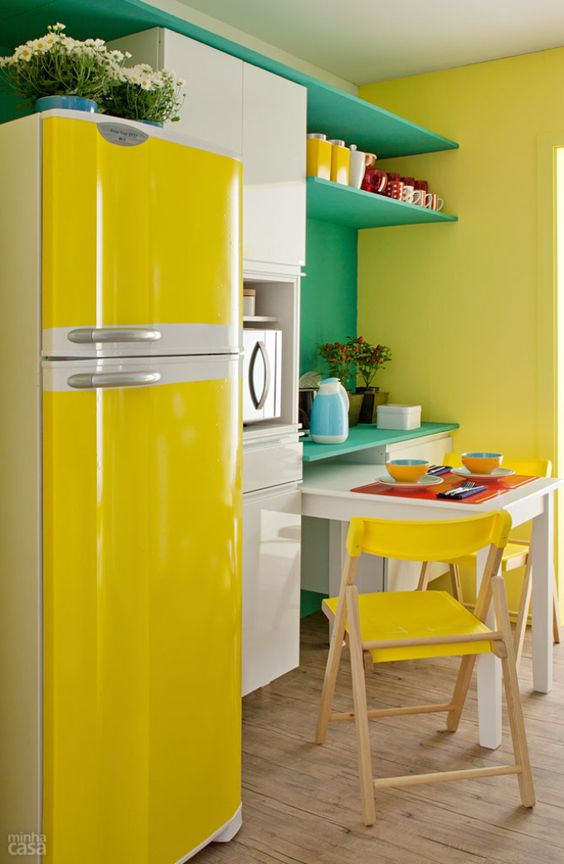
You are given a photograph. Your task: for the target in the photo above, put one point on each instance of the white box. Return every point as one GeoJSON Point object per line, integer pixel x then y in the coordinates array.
{"type": "Point", "coordinates": [398, 416]}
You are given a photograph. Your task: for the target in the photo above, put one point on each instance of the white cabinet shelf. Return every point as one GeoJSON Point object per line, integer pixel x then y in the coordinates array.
{"type": "Point", "coordinates": [259, 319]}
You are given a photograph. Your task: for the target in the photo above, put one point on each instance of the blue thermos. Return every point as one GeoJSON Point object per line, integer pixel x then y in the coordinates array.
{"type": "Point", "coordinates": [329, 422]}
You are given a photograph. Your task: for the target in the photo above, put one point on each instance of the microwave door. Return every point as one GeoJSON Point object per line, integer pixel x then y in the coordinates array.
{"type": "Point", "coordinates": [261, 374]}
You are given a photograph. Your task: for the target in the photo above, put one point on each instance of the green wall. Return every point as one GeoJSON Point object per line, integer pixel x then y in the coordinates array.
{"type": "Point", "coordinates": [328, 313]}
{"type": "Point", "coordinates": [328, 307]}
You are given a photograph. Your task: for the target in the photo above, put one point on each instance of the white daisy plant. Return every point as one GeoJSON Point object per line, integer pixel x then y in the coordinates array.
{"type": "Point", "coordinates": [58, 65]}
{"type": "Point", "coordinates": [140, 93]}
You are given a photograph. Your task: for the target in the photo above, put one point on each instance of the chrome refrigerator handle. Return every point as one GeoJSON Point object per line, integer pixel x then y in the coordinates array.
{"type": "Point", "coordinates": [113, 334]}
{"type": "Point", "coordinates": [92, 380]}
{"type": "Point", "coordinates": [259, 348]}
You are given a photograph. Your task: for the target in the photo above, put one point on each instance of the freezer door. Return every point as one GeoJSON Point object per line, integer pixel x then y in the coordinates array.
{"type": "Point", "coordinates": [142, 680]}
{"type": "Point", "coordinates": [141, 243]}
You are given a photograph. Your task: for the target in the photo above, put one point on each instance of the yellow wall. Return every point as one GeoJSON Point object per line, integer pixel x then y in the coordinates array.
{"type": "Point", "coordinates": [468, 308]}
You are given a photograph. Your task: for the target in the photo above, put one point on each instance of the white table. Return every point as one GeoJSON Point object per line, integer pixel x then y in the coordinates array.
{"type": "Point", "coordinates": [326, 495]}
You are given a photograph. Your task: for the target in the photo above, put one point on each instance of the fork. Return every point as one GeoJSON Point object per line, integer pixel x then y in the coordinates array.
{"type": "Point", "coordinates": [462, 487]}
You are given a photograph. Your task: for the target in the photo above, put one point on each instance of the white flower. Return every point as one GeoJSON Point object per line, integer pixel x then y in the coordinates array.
{"type": "Point", "coordinates": [23, 52]}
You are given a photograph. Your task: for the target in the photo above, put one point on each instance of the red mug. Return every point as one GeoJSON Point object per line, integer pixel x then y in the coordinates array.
{"type": "Point", "coordinates": [394, 189]}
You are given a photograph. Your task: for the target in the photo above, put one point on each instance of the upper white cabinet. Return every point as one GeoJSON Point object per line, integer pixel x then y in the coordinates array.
{"type": "Point", "coordinates": [274, 154]}
{"type": "Point", "coordinates": [213, 108]}
{"type": "Point", "coordinates": [252, 113]}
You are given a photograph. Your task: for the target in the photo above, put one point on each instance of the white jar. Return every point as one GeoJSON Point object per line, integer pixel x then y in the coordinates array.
{"type": "Point", "coordinates": [249, 300]}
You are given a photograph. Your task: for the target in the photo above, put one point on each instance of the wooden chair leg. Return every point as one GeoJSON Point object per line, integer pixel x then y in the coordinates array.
{"type": "Point", "coordinates": [456, 587]}
{"type": "Point", "coordinates": [423, 576]}
{"type": "Point", "coordinates": [555, 611]}
{"type": "Point", "coordinates": [513, 696]}
{"type": "Point", "coordinates": [331, 671]}
{"type": "Point", "coordinates": [523, 614]}
{"type": "Point", "coordinates": [460, 691]}
{"type": "Point", "coordinates": [360, 708]}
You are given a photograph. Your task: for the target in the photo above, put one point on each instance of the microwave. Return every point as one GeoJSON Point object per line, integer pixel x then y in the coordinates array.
{"type": "Point", "coordinates": [262, 374]}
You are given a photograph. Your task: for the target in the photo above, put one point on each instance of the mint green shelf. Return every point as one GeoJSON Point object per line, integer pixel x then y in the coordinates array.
{"type": "Point", "coordinates": [330, 110]}
{"type": "Point", "coordinates": [367, 436]}
{"type": "Point", "coordinates": [345, 205]}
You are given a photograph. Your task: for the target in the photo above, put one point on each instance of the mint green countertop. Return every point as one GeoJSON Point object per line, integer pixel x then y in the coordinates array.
{"type": "Point", "coordinates": [365, 436]}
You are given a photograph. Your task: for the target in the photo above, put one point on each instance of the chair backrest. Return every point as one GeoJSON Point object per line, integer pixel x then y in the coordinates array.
{"type": "Point", "coordinates": [443, 540]}
{"type": "Point", "coordinates": [533, 467]}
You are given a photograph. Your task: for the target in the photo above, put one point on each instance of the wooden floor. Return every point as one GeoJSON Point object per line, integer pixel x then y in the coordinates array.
{"type": "Point", "coordinates": [301, 802]}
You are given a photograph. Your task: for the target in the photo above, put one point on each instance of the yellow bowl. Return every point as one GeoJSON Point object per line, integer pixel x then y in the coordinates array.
{"type": "Point", "coordinates": [482, 463]}
{"type": "Point", "coordinates": [407, 470]}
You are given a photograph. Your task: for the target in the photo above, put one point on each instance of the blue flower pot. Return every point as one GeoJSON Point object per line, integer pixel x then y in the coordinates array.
{"type": "Point", "coordinates": [72, 103]}
{"type": "Point", "coordinates": [152, 123]}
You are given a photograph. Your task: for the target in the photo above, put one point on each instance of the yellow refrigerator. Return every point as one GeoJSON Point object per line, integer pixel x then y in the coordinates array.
{"type": "Point", "coordinates": [120, 536]}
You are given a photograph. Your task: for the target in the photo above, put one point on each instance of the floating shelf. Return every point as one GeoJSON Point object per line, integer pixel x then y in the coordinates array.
{"type": "Point", "coordinates": [330, 110]}
{"type": "Point", "coordinates": [259, 319]}
{"type": "Point", "coordinates": [367, 436]}
{"type": "Point", "coordinates": [345, 205]}
{"type": "Point", "coordinates": [344, 116]}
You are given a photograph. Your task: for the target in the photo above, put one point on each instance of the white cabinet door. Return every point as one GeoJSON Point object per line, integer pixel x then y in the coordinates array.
{"type": "Point", "coordinates": [271, 585]}
{"type": "Point", "coordinates": [213, 108]}
{"type": "Point", "coordinates": [274, 150]}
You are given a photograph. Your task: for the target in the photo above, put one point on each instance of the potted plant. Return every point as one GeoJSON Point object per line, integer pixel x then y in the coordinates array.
{"type": "Point", "coordinates": [368, 360]}
{"type": "Point", "coordinates": [339, 363]}
{"type": "Point", "coordinates": [140, 93]}
{"type": "Point", "coordinates": [56, 71]}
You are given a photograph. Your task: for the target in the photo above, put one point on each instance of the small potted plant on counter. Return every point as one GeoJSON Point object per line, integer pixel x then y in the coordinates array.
{"type": "Point", "coordinates": [340, 363]}
{"type": "Point", "coordinates": [368, 360]}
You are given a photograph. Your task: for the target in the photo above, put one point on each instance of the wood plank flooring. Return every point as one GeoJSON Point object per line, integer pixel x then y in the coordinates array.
{"type": "Point", "coordinates": [301, 802]}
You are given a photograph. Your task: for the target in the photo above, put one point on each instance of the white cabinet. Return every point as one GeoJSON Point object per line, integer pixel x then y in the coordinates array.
{"type": "Point", "coordinates": [271, 584]}
{"type": "Point", "coordinates": [274, 169]}
{"type": "Point", "coordinates": [213, 108]}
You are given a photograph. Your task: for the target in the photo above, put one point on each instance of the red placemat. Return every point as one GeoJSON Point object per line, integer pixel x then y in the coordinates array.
{"type": "Point", "coordinates": [429, 493]}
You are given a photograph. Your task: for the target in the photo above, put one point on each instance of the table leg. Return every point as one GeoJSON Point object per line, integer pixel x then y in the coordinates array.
{"type": "Point", "coordinates": [489, 679]}
{"type": "Point", "coordinates": [542, 558]}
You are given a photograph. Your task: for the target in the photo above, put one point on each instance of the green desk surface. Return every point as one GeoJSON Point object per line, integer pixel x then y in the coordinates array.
{"type": "Point", "coordinates": [365, 436]}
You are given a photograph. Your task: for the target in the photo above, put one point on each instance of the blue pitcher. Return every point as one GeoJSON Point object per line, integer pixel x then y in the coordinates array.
{"type": "Point", "coordinates": [329, 422]}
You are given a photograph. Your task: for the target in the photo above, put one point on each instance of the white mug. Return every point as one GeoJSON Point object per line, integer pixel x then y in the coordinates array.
{"type": "Point", "coordinates": [433, 201]}
{"type": "Point", "coordinates": [357, 165]}
{"type": "Point", "coordinates": [419, 197]}
{"type": "Point", "coordinates": [408, 193]}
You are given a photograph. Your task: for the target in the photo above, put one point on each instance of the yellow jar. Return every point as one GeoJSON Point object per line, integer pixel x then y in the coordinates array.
{"type": "Point", "coordinates": [340, 162]}
{"type": "Point", "coordinates": [319, 152]}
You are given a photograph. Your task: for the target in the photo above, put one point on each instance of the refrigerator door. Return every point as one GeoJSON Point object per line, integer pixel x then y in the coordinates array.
{"type": "Point", "coordinates": [142, 684]}
{"type": "Point", "coordinates": [141, 242]}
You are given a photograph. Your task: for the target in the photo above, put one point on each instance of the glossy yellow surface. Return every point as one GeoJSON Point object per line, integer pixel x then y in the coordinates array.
{"type": "Point", "coordinates": [136, 235]}
{"type": "Point", "coordinates": [340, 164]}
{"type": "Point", "coordinates": [438, 540]}
{"type": "Point", "coordinates": [413, 615]}
{"type": "Point", "coordinates": [142, 621]}
{"type": "Point", "coordinates": [319, 158]}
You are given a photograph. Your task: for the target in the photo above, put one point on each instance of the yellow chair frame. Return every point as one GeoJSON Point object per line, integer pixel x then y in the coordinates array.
{"type": "Point", "coordinates": [516, 555]}
{"type": "Point", "coordinates": [423, 541]}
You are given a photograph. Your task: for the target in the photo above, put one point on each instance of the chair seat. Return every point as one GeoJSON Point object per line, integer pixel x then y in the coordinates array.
{"type": "Point", "coordinates": [414, 614]}
{"type": "Point", "coordinates": [512, 551]}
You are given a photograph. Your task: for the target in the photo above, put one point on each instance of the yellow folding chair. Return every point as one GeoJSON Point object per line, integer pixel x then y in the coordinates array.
{"type": "Point", "coordinates": [418, 624]}
{"type": "Point", "coordinates": [515, 555]}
